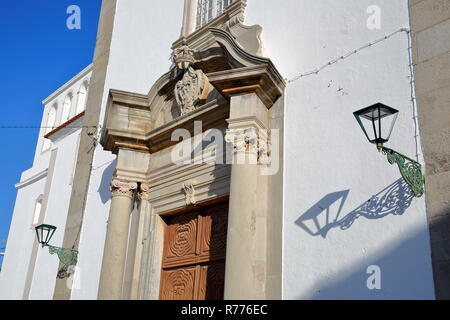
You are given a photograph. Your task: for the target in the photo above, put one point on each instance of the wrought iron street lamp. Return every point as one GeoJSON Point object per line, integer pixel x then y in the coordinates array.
{"type": "Point", "coordinates": [377, 123]}
{"type": "Point", "coordinates": [68, 257]}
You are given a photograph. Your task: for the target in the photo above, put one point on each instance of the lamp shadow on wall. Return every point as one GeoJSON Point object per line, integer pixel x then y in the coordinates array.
{"type": "Point", "coordinates": [325, 215]}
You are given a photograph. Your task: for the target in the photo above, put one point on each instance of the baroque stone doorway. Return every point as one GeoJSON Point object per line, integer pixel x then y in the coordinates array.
{"type": "Point", "coordinates": [193, 266]}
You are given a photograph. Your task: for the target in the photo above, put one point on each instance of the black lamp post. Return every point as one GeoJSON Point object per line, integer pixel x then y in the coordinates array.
{"type": "Point", "coordinates": [68, 257]}
{"type": "Point", "coordinates": [377, 123]}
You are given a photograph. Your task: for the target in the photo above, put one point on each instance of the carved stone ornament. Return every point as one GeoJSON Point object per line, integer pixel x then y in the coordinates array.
{"type": "Point", "coordinates": [123, 188]}
{"type": "Point", "coordinates": [242, 139]}
{"type": "Point", "coordinates": [190, 90]}
{"type": "Point", "coordinates": [249, 140]}
{"type": "Point", "coordinates": [143, 193]}
{"type": "Point", "coordinates": [183, 57]}
{"type": "Point", "coordinates": [264, 151]}
{"type": "Point", "coordinates": [189, 190]}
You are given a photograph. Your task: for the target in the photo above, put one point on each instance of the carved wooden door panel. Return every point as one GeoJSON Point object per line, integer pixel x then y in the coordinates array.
{"type": "Point", "coordinates": [194, 255]}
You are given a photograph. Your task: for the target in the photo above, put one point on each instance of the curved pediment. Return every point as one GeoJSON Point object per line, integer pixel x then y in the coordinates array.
{"type": "Point", "coordinates": [198, 84]}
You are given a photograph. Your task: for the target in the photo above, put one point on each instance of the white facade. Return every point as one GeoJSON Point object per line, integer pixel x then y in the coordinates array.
{"type": "Point", "coordinates": [329, 167]}
{"type": "Point", "coordinates": [328, 159]}
{"type": "Point", "coordinates": [29, 270]}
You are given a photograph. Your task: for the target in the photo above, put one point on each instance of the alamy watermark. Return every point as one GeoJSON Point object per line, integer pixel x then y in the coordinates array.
{"type": "Point", "coordinates": [374, 19]}
{"type": "Point", "coordinates": [240, 146]}
{"type": "Point", "coordinates": [374, 280]}
{"type": "Point", "coordinates": [73, 22]}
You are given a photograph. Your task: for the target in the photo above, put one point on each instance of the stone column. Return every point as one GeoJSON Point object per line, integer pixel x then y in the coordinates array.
{"type": "Point", "coordinates": [245, 271]}
{"type": "Point", "coordinates": [142, 229]}
{"type": "Point", "coordinates": [114, 256]}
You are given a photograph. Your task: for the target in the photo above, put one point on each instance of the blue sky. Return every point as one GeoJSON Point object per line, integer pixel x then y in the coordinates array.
{"type": "Point", "coordinates": [38, 54]}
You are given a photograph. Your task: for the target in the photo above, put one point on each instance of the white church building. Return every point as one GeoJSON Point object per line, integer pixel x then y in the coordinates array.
{"type": "Point", "coordinates": [225, 161]}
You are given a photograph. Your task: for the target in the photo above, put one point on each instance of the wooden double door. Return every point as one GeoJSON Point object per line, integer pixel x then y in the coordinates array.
{"type": "Point", "coordinates": [193, 265]}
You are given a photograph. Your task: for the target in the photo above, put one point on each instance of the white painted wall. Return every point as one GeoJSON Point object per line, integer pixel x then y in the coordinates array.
{"type": "Point", "coordinates": [72, 87]}
{"type": "Point", "coordinates": [20, 241]}
{"type": "Point", "coordinates": [44, 278]}
{"type": "Point", "coordinates": [140, 51]}
{"type": "Point", "coordinates": [326, 152]}
{"type": "Point", "coordinates": [22, 235]}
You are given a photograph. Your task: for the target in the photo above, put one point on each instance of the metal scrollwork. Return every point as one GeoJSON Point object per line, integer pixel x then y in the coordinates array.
{"type": "Point", "coordinates": [68, 258]}
{"type": "Point", "coordinates": [410, 170]}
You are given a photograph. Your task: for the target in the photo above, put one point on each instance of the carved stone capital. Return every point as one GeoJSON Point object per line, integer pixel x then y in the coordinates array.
{"type": "Point", "coordinates": [242, 139]}
{"type": "Point", "coordinates": [144, 192]}
{"type": "Point", "coordinates": [250, 140]}
{"type": "Point", "coordinates": [121, 188]}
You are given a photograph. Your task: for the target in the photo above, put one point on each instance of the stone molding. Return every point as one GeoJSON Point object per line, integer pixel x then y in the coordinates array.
{"type": "Point", "coordinates": [120, 188]}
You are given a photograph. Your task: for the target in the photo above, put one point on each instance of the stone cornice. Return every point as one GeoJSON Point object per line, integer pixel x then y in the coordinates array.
{"type": "Point", "coordinates": [129, 98]}
{"type": "Point", "coordinates": [259, 79]}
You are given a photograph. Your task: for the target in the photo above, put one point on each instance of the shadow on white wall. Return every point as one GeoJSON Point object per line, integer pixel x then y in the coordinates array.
{"type": "Point", "coordinates": [325, 215]}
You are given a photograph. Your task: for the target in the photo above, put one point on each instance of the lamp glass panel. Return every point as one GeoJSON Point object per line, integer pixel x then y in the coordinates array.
{"type": "Point", "coordinates": [367, 126]}
{"type": "Point", "coordinates": [377, 122]}
{"type": "Point", "coordinates": [387, 126]}
{"type": "Point", "coordinates": [44, 233]}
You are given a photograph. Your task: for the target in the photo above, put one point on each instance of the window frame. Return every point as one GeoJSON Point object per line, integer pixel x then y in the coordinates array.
{"type": "Point", "coordinates": [208, 10]}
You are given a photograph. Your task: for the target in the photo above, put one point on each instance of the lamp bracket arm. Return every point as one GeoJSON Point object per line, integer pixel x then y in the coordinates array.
{"type": "Point", "coordinates": [410, 170]}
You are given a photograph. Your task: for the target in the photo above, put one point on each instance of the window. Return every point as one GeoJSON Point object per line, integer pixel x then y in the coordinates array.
{"type": "Point", "coordinates": [50, 125]}
{"type": "Point", "coordinates": [37, 211]}
{"type": "Point", "coordinates": [66, 108]}
{"type": "Point", "coordinates": [209, 9]}
{"type": "Point", "coordinates": [81, 102]}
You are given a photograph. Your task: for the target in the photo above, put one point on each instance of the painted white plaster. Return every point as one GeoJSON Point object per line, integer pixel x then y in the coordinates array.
{"type": "Point", "coordinates": [140, 52]}
{"type": "Point", "coordinates": [20, 241]}
{"type": "Point", "coordinates": [46, 268]}
{"type": "Point", "coordinates": [326, 152]}
{"type": "Point", "coordinates": [32, 184]}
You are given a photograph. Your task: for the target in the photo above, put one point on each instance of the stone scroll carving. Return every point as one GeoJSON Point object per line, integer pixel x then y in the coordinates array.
{"type": "Point", "coordinates": [143, 193]}
{"type": "Point", "coordinates": [242, 139]}
{"type": "Point", "coordinates": [191, 89]}
{"type": "Point", "coordinates": [250, 140]}
{"type": "Point", "coordinates": [123, 188]}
